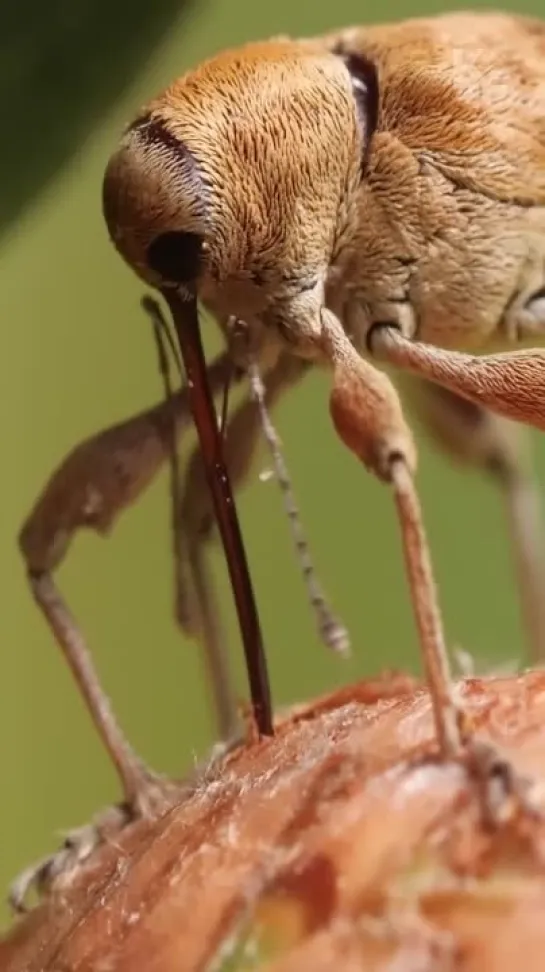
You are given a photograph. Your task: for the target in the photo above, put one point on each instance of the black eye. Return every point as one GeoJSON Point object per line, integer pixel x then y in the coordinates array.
{"type": "Point", "coordinates": [365, 89]}
{"type": "Point", "coordinates": [176, 256]}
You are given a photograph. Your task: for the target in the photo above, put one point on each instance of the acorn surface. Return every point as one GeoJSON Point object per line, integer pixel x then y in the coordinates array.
{"type": "Point", "coordinates": [345, 842]}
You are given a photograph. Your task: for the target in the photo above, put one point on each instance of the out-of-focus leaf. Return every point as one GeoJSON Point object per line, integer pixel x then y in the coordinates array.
{"type": "Point", "coordinates": [62, 63]}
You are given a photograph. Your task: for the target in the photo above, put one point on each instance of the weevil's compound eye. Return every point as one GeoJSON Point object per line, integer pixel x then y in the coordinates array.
{"type": "Point", "coordinates": [176, 256]}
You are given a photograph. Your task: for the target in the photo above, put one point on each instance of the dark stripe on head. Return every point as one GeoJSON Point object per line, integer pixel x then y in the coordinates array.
{"type": "Point", "coordinates": [153, 133]}
{"type": "Point", "coordinates": [175, 255]}
{"type": "Point", "coordinates": [366, 92]}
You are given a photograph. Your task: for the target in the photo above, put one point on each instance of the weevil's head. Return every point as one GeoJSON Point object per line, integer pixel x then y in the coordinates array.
{"type": "Point", "coordinates": [236, 183]}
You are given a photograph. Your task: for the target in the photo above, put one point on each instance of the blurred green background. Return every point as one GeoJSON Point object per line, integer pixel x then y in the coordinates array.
{"type": "Point", "coordinates": [77, 355]}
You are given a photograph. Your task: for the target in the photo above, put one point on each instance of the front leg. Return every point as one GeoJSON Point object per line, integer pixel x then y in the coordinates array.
{"type": "Point", "coordinates": [367, 414]}
{"type": "Point", "coordinates": [477, 439]}
{"type": "Point", "coordinates": [92, 486]}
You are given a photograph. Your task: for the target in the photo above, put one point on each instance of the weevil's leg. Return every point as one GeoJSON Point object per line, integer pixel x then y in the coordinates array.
{"type": "Point", "coordinates": [368, 417]}
{"type": "Point", "coordinates": [473, 436]}
{"type": "Point", "coordinates": [62, 864]}
{"type": "Point", "coordinates": [98, 480]}
{"type": "Point", "coordinates": [511, 384]}
{"type": "Point", "coordinates": [199, 614]}
{"type": "Point", "coordinates": [92, 486]}
{"type": "Point", "coordinates": [58, 868]}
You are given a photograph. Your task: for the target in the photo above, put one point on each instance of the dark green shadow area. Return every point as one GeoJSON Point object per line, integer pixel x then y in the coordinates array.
{"type": "Point", "coordinates": [62, 64]}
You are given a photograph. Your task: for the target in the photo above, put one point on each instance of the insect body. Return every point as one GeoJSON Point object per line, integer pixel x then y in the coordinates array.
{"type": "Point", "coordinates": [375, 196]}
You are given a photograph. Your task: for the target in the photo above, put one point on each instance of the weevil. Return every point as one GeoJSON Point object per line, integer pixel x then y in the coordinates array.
{"type": "Point", "coordinates": [370, 202]}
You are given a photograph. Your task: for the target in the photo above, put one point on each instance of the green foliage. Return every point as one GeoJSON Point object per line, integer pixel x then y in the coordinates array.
{"type": "Point", "coordinates": [62, 65]}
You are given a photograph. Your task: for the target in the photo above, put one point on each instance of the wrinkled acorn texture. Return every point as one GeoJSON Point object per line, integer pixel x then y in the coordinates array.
{"type": "Point", "coordinates": [340, 844]}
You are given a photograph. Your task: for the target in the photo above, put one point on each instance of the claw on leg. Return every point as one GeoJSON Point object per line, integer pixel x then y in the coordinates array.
{"type": "Point", "coordinates": [154, 798]}
{"type": "Point", "coordinates": [64, 863]}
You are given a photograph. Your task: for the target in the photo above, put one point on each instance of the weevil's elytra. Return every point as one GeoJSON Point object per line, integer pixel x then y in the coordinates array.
{"type": "Point", "coordinates": [387, 175]}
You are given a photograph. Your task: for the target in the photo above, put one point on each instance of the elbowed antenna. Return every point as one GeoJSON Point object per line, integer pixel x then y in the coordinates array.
{"type": "Point", "coordinates": [333, 634]}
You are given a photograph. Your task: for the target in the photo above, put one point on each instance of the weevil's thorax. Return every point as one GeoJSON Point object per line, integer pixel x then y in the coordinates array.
{"type": "Point", "coordinates": [257, 153]}
{"type": "Point", "coordinates": [449, 239]}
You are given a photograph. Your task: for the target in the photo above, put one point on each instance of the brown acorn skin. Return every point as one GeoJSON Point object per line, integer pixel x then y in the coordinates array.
{"type": "Point", "coordinates": [341, 843]}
